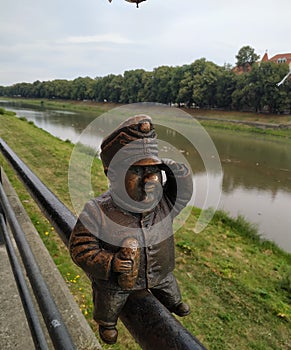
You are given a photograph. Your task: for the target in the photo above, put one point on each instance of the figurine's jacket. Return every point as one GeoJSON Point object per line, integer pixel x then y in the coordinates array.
{"type": "Point", "coordinates": [102, 227]}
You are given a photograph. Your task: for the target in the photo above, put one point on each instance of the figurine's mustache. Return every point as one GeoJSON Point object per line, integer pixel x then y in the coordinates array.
{"type": "Point", "coordinates": [152, 191]}
{"type": "Point", "coordinates": [152, 187]}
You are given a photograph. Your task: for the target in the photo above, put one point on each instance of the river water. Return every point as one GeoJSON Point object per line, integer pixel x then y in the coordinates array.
{"type": "Point", "coordinates": [256, 179]}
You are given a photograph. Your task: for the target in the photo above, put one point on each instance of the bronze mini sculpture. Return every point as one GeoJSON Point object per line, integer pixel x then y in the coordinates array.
{"type": "Point", "coordinates": [123, 239]}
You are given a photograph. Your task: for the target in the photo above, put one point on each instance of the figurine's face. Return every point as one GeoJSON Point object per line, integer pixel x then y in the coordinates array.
{"type": "Point", "coordinates": [143, 183]}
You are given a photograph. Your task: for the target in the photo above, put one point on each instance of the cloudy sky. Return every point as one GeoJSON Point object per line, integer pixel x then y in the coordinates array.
{"type": "Point", "coordinates": [65, 39]}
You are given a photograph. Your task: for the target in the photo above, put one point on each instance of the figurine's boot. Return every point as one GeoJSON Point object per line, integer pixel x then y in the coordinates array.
{"type": "Point", "coordinates": [181, 309]}
{"type": "Point", "coordinates": [108, 334]}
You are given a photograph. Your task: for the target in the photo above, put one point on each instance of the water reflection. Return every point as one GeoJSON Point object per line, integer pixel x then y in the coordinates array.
{"type": "Point", "coordinates": [270, 213]}
{"type": "Point", "coordinates": [63, 124]}
{"type": "Point", "coordinates": [254, 163]}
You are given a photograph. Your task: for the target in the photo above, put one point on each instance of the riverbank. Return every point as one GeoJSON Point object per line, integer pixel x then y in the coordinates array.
{"type": "Point", "coordinates": [267, 124]}
{"type": "Point", "coordinates": [239, 288]}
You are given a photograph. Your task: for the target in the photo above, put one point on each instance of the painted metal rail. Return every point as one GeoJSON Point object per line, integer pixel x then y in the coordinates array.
{"type": "Point", "coordinates": [148, 321]}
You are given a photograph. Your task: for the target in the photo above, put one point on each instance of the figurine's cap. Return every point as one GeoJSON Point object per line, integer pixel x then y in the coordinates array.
{"type": "Point", "coordinates": [134, 139]}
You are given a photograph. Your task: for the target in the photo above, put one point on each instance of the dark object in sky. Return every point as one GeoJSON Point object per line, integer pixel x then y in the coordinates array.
{"type": "Point", "coordinates": [133, 1]}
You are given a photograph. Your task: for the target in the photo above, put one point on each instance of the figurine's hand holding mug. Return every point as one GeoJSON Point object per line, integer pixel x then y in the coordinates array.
{"type": "Point", "coordinates": [121, 265]}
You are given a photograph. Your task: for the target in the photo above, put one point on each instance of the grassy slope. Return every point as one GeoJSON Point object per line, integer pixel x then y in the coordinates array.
{"type": "Point", "coordinates": [243, 116]}
{"type": "Point", "coordinates": [238, 288]}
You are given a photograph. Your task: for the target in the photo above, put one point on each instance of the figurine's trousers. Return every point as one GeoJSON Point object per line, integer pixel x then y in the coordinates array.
{"type": "Point", "coordinates": [108, 303]}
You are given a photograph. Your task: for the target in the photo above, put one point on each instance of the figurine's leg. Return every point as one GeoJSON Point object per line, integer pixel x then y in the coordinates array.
{"type": "Point", "coordinates": [107, 307]}
{"type": "Point", "coordinates": [168, 293]}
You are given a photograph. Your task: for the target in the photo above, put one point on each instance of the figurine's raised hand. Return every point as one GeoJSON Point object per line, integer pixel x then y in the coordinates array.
{"type": "Point", "coordinates": [168, 163]}
{"type": "Point", "coordinates": [121, 265]}
{"type": "Point", "coordinates": [173, 168]}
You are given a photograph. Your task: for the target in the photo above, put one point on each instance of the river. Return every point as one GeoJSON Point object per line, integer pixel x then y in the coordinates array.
{"type": "Point", "coordinates": [256, 170]}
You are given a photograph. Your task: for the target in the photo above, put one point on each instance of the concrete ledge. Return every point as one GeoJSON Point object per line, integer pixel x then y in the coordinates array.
{"type": "Point", "coordinates": [81, 333]}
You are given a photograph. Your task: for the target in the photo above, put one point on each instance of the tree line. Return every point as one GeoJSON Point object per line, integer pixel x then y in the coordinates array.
{"type": "Point", "coordinates": [201, 84]}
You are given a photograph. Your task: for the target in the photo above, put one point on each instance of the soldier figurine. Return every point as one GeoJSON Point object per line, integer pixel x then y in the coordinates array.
{"type": "Point", "coordinates": [123, 239]}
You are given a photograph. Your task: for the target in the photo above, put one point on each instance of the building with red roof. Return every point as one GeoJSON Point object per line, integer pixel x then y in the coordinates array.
{"type": "Point", "coordinates": [279, 58]}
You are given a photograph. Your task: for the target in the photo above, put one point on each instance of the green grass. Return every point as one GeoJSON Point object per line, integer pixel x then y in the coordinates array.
{"type": "Point", "coordinates": [238, 287]}
{"type": "Point", "coordinates": [241, 116]}
{"type": "Point", "coordinates": [88, 106]}
{"type": "Point", "coordinates": [230, 127]}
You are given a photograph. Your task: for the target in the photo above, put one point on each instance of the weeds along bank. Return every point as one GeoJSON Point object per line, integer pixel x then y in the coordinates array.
{"type": "Point", "coordinates": [239, 288]}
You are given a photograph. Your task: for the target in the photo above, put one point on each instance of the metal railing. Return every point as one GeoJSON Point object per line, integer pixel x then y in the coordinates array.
{"type": "Point", "coordinates": [148, 321]}
{"type": "Point", "coordinates": [28, 306]}
{"type": "Point", "coordinates": [57, 330]}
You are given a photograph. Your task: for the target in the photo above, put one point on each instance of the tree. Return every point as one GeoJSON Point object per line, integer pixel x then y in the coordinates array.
{"type": "Point", "coordinates": [225, 86]}
{"type": "Point", "coordinates": [132, 84]}
{"type": "Point", "coordinates": [185, 94]}
{"type": "Point", "coordinates": [161, 86]}
{"type": "Point", "coordinates": [176, 77]}
{"type": "Point", "coordinates": [258, 90]}
{"type": "Point", "coordinates": [115, 86]}
{"type": "Point", "coordinates": [146, 94]}
{"type": "Point", "coordinates": [246, 57]}
{"type": "Point", "coordinates": [274, 98]}
{"type": "Point", "coordinates": [205, 82]}
{"type": "Point", "coordinates": [108, 88]}
{"type": "Point", "coordinates": [240, 97]}
{"type": "Point", "coordinates": [82, 88]}
{"type": "Point", "coordinates": [62, 88]}
{"type": "Point", "coordinates": [201, 83]}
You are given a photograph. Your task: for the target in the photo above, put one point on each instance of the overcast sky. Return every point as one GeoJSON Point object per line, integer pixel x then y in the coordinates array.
{"type": "Point", "coordinates": [65, 39]}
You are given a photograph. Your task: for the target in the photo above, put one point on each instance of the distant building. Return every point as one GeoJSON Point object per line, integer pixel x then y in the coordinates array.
{"type": "Point", "coordinates": [279, 58]}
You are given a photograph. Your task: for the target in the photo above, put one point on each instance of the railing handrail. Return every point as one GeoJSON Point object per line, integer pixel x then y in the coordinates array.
{"type": "Point", "coordinates": [166, 332]}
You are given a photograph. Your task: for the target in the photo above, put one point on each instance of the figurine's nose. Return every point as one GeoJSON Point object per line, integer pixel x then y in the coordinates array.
{"type": "Point", "coordinates": [151, 177]}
